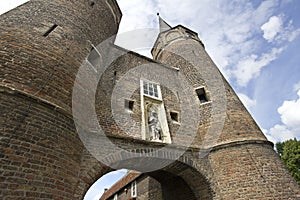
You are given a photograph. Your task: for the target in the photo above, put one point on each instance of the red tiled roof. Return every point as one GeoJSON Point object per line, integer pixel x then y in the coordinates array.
{"type": "Point", "coordinates": [128, 178]}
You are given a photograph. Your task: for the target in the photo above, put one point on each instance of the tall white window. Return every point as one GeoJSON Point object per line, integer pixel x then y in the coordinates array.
{"type": "Point", "coordinates": [154, 124]}
{"type": "Point", "coordinates": [116, 197]}
{"type": "Point", "coordinates": [133, 189]}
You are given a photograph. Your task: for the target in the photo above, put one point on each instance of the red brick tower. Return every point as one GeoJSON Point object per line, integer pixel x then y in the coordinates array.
{"type": "Point", "coordinates": [42, 45]}
{"type": "Point", "coordinates": [243, 162]}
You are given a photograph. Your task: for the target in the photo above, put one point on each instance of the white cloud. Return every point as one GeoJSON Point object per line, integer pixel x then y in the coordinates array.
{"type": "Point", "coordinates": [247, 101]}
{"type": "Point", "coordinates": [290, 113]}
{"type": "Point", "coordinates": [289, 33]}
{"type": "Point", "coordinates": [8, 5]}
{"type": "Point", "coordinates": [290, 117]}
{"type": "Point", "coordinates": [280, 133]}
{"type": "Point", "coordinates": [297, 86]}
{"type": "Point", "coordinates": [250, 67]}
{"type": "Point", "coordinates": [231, 34]}
{"type": "Point", "coordinates": [272, 28]}
{"type": "Point", "coordinates": [264, 11]}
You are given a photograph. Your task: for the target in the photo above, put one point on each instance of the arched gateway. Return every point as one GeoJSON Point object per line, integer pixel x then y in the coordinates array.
{"type": "Point", "coordinates": [74, 107]}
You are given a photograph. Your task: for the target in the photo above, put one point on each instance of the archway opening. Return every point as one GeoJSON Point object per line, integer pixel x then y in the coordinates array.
{"type": "Point", "coordinates": [104, 183]}
{"type": "Point", "coordinates": [174, 182]}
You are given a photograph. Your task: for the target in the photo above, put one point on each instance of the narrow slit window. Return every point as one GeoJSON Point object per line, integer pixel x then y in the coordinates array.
{"type": "Point", "coordinates": [201, 95]}
{"type": "Point", "coordinates": [92, 4]}
{"type": "Point", "coordinates": [115, 197]}
{"type": "Point", "coordinates": [129, 104]}
{"type": "Point", "coordinates": [52, 28]}
{"type": "Point", "coordinates": [133, 189]}
{"type": "Point", "coordinates": [174, 116]}
{"type": "Point", "coordinates": [115, 77]}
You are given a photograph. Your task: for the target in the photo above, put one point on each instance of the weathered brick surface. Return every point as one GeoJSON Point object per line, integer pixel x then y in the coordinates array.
{"type": "Point", "coordinates": [41, 150]}
{"type": "Point", "coordinates": [244, 164]}
{"type": "Point", "coordinates": [252, 172]}
{"type": "Point", "coordinates": [47, 66]}
{"type": "Point", "coordinates": [42, 156]}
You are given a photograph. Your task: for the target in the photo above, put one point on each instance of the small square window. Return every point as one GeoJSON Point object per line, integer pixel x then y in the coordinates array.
{"type": "Point", "coordinates": [129, 104]}
{"type": "Point", "coordinates": [201, 95]}
{"type": "Point", "coordinates": [174, 116]}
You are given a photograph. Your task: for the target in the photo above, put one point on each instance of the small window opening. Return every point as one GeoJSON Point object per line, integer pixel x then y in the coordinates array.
{"type": "Point", "coordinates": [115, 77]}
{"type": "Point", "coordinates": [129, 104]}
{"type": "Point", "coordinates": [116, 197]}
{"type": "Point", "coordinates": [201, 95]}
{"type": "Point", "coordinates": [133, 189]}
{"type": "Point", "coordinates": [50, 30]}
{"type": "Point", "coordinates": [92, 4]}
{"type": "Point", "coordinates": [189, 34]}
{"type": "Point", "coordinates": [174, 116]}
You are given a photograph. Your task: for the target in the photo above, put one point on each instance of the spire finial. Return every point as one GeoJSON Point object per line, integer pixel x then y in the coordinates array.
{"type": "Point", "coordinates": [163, 26]}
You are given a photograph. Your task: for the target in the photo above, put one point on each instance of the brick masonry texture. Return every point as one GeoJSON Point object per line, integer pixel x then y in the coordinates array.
{"type": "Point", "coordinates": [43, 44]}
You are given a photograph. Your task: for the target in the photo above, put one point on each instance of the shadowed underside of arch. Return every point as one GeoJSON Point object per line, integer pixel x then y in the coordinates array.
{"type": "Point", "coordinates": [178, 180]}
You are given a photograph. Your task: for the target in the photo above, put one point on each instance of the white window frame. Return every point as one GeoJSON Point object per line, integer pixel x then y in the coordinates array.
{"type": "Point", "coordinates": [166, 138]}
{"type": "Point", "coordinates": [133, 189]}
{"type": "Point", "coordinates": [149, 85]}
{"type": "Point", "coordinates": [116, 197]}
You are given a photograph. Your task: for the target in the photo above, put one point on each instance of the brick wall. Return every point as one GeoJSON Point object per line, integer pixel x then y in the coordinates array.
{"type": "Point", "coordinates": [252, 171]}
{"type": "Point", "coordinates": [42, 156]}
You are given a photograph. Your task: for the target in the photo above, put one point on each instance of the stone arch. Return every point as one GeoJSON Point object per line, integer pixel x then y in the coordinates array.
{"type": "Point", "coordinates": [181, 173]}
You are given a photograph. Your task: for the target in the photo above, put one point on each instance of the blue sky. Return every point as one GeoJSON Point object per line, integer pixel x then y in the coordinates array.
{"type": "Point", "coordinates": [254, 43]}
{"type": "Point", "coordinates": [106, 181]}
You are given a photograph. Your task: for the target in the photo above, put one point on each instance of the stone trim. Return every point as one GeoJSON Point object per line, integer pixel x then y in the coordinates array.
{"type": "Point", "coordinates": [239, 143]}
{"type": "Point", "coordinates": [13, 91]}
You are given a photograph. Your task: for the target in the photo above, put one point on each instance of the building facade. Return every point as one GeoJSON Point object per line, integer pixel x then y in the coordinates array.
{"type": "Point", "coordinates": [75, 107]}
{"type": "Point", "coordinates": [134, 185]}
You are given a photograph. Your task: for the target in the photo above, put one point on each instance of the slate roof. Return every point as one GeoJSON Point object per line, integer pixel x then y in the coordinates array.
{"type": "Point", "coordinates": [127, 179]}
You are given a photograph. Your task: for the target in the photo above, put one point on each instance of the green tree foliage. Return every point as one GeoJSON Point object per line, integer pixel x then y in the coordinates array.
{"type": "Point", "coordinates": [289, 152]}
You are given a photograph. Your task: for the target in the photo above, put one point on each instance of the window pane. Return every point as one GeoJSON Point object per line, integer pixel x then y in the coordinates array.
{"type": "Point", "coordinates": [150, 89]}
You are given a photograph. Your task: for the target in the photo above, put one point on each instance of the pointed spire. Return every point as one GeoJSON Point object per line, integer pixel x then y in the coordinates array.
{"type": "Point", "coordinates": [163, 26]}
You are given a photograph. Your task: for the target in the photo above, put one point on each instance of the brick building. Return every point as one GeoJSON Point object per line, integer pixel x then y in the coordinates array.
{"type": "Point", "coordinates": [140, 186]}
{"type": "Point", "coordinates": [75, 107]}
{"type": "Point", "coordinates": [134, 185]}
